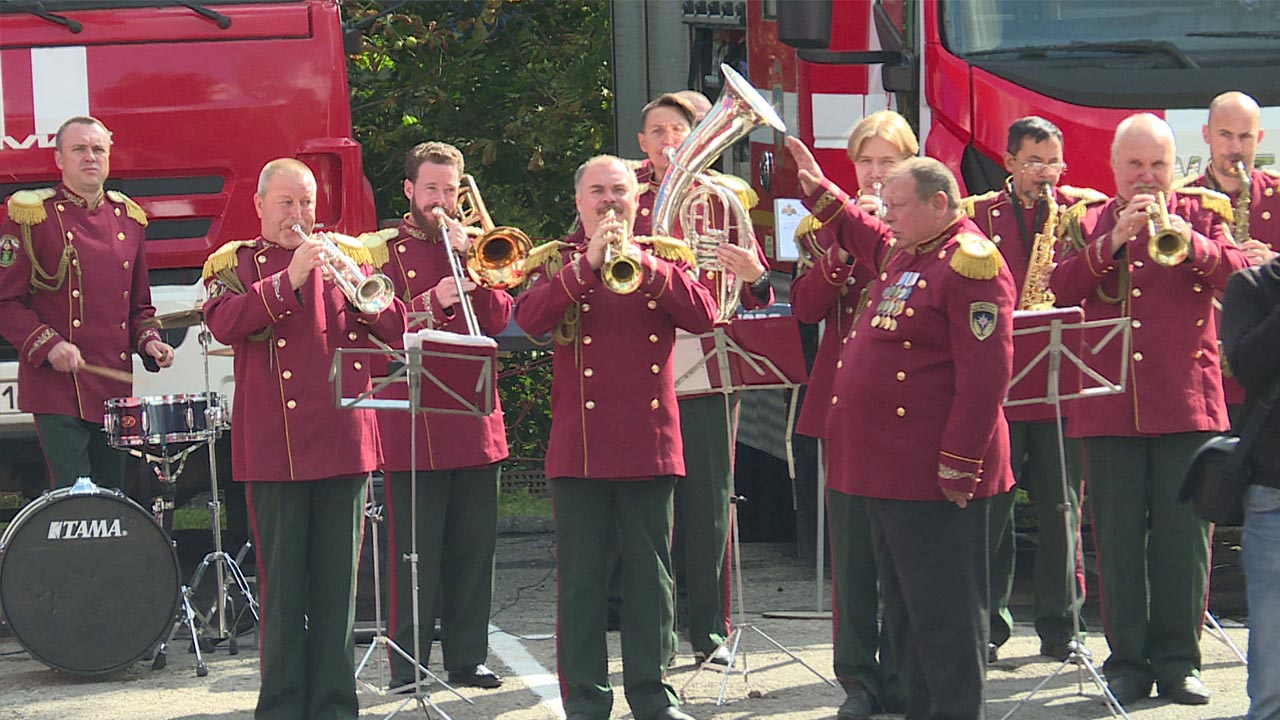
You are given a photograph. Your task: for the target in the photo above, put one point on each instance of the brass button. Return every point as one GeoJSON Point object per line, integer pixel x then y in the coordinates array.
{"type": "Point", "coordinates": [901, 376]}
{"type": "Point", "coordinates": [586, 307]}
{"type": "Point", "coordinates": [835, 275]}
{"type": "Point", "coordinates": [853, 334]}
{"type": "Point", "coordinates": [126, 264]}
{"type": "Point", "coordinates": [124, 326]}
{"type": "Point", "coordinates": [75, 322]}
{"type": "Point", "coordinates": [123, 357]}
{"type": "Point", "coordinates": [1138, 263]}
{"type": "Point", "coordinates": [655, 368]}
{"type": "Point", "coordinates": [357, 365]}
{"type": "Point", "coordinates": [352, 336]}
{"type": "Point", "coordinates": [117, 212]}
{"type": "Point", "coordinates": [910, 312]}
{"type": "Point", "coordinates": [644, 212]}
{"type": "Point", "coordinates": [1137, 324]}
{"type": "Point", "coordinates": [833, 399]}
{"type": "Point", "coordinates": [1197, 354]}
{"type": "Point", "coordinates": [126, 293]}
{"type": "Point", "coordinates": [286, 374]}
{"type": "Point", "coordinates": [653, 339]}
{"type": "Point", "coordinates": [291, 404]}
{"type": "Point", "coordinates": [884, 276]}
{"type": "Point", "coordinates": [922, 284]}
{"type": "Point", "coordinates": [74, 261]}
{"type": "Point", "coordinates": [711, 274]}
{"type": "Point", "coordinates": [69, 235]}
{"type": "Point", "coordinates": [995, 239]}
{"type": "Point", "coordinates": [654, 403]}
{"type": "Point", "coordinates": [120, 236]}
{"type": "Point", "coordinates": [839, 364]}
{"type": "Point", "coordinates": [75, 293]}
{"type": "Point", "coordinates": [590, 404]}
{"type": "Point", "coordinates": [1137, 292]}
{"type": "Point", "coordinates": [262, 259]}
{"type": "Point", "coordinates": [902, 412]}
{"type": "Point", "coordinates": [848, 310]}
{"type": "Point", "coordinates": [1266, 214]}
{"type": "Point", "coordinates": [1200, 322]}
{"type": "Point", "coordinates": [1269, 192]}
{"type": "Point", "coordinates": [412, 274]}
{"type": "Point", "coordinates": [1197, 288]}
{"type": "Point", "coordinates": [61, 207]}
{"type": "Point", "coordinates": [942, 254]}
{"type": "Point", "coordinates": [995, 212]}
{"type": "Point", "coordinates": [588, 372]}
{"type": "Point", "coordinates": [401, 248]}
{"type": "Point", "coordinates": [652, 304]}
{"type": "Point", "coordinates": [906, 344]}
{"type": "Point", "coordinates": [281, 343]}
{"type": "Point", "coordinates": [586, 339]}
{"type": "Point", "coordinates": [1137, 357]}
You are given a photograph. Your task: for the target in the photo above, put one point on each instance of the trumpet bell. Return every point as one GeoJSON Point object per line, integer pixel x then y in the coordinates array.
{"type": "Point", "coordinates": [496, 259]}
{"type": "Point", "coordinates": [374, 294]}
{"type": "Point", "coordinates": [621, 274]}
{"type": "Point", "coordinates": [1168, 248]}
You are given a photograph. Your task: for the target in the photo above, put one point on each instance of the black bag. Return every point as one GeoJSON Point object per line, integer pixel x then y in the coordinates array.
{"type": "Point", "coordinates": [1216, 480]}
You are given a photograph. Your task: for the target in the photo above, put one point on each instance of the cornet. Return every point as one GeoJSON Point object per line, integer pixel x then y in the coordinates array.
{"type": "Point", "coordinates": [1166, 245]}
{"type": "Point", "coordinates": [621, 272]}
{"type": "Point", "coordinates": [369, 293]}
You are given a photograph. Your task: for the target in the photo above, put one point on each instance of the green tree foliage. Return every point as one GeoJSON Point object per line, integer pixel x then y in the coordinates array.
{"type": "Point", "coordinates": [523, 88]}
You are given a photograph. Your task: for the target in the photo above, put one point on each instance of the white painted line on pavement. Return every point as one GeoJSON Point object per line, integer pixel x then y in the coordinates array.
{"type": "Point", "coordinates": [541, 681]}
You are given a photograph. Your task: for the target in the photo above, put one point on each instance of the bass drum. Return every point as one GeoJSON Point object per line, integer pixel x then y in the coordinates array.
{"type": "Point", "coordinates": [88, 580]}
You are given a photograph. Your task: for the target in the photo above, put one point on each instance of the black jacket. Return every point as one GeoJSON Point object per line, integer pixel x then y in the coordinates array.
{"type": "Point", "coordinates": [1251, 338]}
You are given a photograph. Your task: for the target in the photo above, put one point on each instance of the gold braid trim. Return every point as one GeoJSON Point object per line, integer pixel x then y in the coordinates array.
{"type": "Point", "coordinates": [131, 208]}
{"type": "Point", "coordinates": [352, 248]}
{"type": "Point", "coordinates": [977, 258]}
{"type": "Point", "coordinates": [1212, 200]}
{"type": "Point", "coordinates": [807, 241]}
{"type": "Point", "coordinates": [970, 204]}
{"type": "Point", "coordinates": [669, 249]}
{"type": "Point", "coordinates": [376, 244]}
{"type": "Point", "coordinates": [26, 207]}
{"type": "Point", "coordinates": [950, 473]}
{"type": "Point", "coordinates": [1070, 230]}
{"type": "Point", "coordinates": [223, 259]}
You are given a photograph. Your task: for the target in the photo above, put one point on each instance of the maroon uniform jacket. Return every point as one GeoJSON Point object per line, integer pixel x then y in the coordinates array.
{"type": "Point", "coordinates": [284, 423]}
{"type": "Point", "coordinates": [1174, 380]}
{"type": "Point", "coordinates": [830, 290]}
{"type": "Point", "coordinates": [415, 265]}
{"type": "Point", "coordinates": [69, 272]}
{"type": "Point", "coordinates": [916, 402]}
{"type": "Point", "coordinates": [613, 402]}
{"type": "Point", "coordinates": [1264, 225]}
{"type": "Point", "coordinates": [996, 214]}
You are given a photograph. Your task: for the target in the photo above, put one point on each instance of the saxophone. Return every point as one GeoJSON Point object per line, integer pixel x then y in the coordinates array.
{"type": "Point", "coordinates": [1036, 294]}
{"type": "Point", "coordinates": [1243, 200]}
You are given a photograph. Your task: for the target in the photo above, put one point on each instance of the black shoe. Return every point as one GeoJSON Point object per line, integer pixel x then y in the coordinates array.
{"type": "Point", "coordinates": [1129, 690]}
{"type": "Point", "coordinates": [993, 653]}
{"type": "Point", "coordinates": [1057, 651]}
{"type": "Point", "coordinates": [478, 676]}
{"type": "Point", "coordinates": [1186, 691]}
{"type": "Point", "coordinates": [671, 712]}
{"type": "Point", "coordinates": [719, 657]}
{"type": "Point", "coordinates": [858, 704]}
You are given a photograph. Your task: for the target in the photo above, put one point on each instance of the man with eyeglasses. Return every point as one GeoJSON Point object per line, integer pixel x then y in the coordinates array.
{"type": "Point", "coordinates": [1013, 218]}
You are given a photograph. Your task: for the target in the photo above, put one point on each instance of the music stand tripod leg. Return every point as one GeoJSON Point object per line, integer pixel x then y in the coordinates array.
{"type": "Point", "coordinates": [1216, 630]}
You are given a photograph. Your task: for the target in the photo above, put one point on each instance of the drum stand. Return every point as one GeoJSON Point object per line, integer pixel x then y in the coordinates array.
{"type": "Point", "coordinates": [724, 346]}
{"type": "Point", "coordinates": [1078, 654]}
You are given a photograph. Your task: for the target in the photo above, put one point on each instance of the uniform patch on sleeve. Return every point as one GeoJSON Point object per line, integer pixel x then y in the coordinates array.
{"type": "Point", "coordinates": [8, 250]}
{"type": "Point", "coordinates": [982, 319]}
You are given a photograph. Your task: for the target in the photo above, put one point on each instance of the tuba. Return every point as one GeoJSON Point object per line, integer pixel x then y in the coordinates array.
{"type": "Point", "coordinates": [690, 201]}
{"type": "Point", "coordinates": [1166, 246]}
{"type": "Point", "coordinates": [1035, 295]}
{"type": "Point", "coordinates": [496, 257]}
{"type": "Point", "coordinates": [369, 293]}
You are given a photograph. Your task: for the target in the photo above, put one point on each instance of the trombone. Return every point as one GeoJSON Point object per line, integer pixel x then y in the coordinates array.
{"type": "Point", "coordinates": [369, 293]}
{"type": "Point", "coordinates": [456, 267]}
{"type": "Point", "coordinates": [495, 259]}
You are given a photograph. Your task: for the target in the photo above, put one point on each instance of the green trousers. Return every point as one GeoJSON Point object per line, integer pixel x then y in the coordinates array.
{"type": "Point", "coordinates": [74, 449]}
{"type": "Point", "coordinates": [861, 652]}
{"type": "Point", "coordinates": [307, 538]}
{"type": "Point", "coordinates": [640, 513]}
{"type": "Point", "coordinates": [700, 545]}
{"type": "Point", "coordinates": [457, 515]}
{"type": "Point", "coordinates": [1153, 555]}
{"type": "Point", "coordinates": [1034, 452]}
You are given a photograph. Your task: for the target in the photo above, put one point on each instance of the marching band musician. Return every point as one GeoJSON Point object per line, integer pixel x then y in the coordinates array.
{"type": "Point", "coordinates": [833, 289]}
{"type": "Point", "coordinates": [304, 461]}
{"type": "Point", "coordinates": [458, 457]}
{"type": "Point", "coordinates": [1016, 219]}
{"type": "Point", "coordinates": [75, 302]}
{"type": "Point", "coordinates": [615, 450]}
{"type": "Point", "coordinates": [915, 424]}
{"type": "Point", "coordinates": [1153, 552]}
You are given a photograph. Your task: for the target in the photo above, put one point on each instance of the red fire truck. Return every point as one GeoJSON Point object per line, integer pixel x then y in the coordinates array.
{"type": "Point", "coordinates": [198, 96]}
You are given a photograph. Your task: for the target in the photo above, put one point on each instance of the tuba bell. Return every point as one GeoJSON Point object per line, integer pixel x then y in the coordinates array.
{"type": "Point", "coordinates": [496, 257]}
{"type": "Point", "coordinates": [691, 202]}
{"type": "Point", "coordinates": [1166, 245]}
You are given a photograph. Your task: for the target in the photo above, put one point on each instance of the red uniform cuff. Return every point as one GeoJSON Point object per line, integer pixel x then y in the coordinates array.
{"type": "Point", "coordinates": [834, 270]}
{"type": "Point", "coordinates": [39, 343]}
{"type": "Point", "coordinates": [958, 473]}
{"type": "Point", "coordinates": [278, 295]}
{"type": "Point", "coordinates": [144, 337]}
{"type": "Point", "coordinates": [826, 201]}
{"type": "Point", "coordinates": [1100, 257]}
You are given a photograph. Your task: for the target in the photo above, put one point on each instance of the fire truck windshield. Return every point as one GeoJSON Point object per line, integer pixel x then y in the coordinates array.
{"type": "Point", "coordinates": [1172, 33]}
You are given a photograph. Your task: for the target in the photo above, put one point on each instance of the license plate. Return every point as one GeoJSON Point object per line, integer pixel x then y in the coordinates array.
{"type": "Point", "coordinates": [8, 397]}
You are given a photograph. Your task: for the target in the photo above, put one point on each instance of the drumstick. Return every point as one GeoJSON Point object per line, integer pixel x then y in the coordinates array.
{"type": "Point", "coordinates": [106, 372]}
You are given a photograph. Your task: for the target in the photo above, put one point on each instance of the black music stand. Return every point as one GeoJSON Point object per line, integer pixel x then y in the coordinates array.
{"type": "Point", "coordinates": [1066, 340]}
{"type": "Point", "coordinates": [439, 398]}
{"type": "Point", "coordinates": [721, 364]}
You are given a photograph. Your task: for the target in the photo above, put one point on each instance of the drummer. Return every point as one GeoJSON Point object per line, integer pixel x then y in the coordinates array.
{"type": "Point", "coordinates": [72, 316]}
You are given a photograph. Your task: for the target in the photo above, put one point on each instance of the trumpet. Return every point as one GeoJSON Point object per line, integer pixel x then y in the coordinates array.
{"type": "Point", "coordinates": [621, 271]}
{"type": "Point", "coordinates": [369, 293]}
{"type": "Point", "coordinates": [1166, 245]}
{"type": "Point", "coordinates": [876, 188]}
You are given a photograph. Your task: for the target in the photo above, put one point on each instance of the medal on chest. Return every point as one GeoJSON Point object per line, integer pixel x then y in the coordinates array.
{"type": "Point", "coordinates": [893, 299]}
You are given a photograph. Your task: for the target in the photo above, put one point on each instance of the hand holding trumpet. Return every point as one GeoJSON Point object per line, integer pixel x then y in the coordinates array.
{"type": "Point", "coordinates": [610, 230]}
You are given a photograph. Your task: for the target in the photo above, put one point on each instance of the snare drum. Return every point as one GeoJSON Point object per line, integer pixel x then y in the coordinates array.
{"type": "Point", "coordinates": [88, 580]}
{"type": "Point", "coordinates": [161, 419]}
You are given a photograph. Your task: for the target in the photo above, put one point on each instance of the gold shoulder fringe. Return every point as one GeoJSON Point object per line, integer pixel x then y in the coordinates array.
{"type": "Point", "coordinates": [736, 185]}
{"type": "Point", "coordinates": [131, 208]}
{"type": "Point", "coordinates": [351, 247]}
{"type": "Point", "coordinates": [977, 258]}
{"type": "Point", "coordinates": [224, 258]}
{"type": "Point", "coordinates": [1271, 171]}
{"type": "Point", "coordinates": [669, 248]}
{"type": "Point", "coordinates": [376, 244]}
{"type": "Point", "coordinates": [807, 240]}
{"type": "Point", "coordinates": [1212, 200]}
{"type": "Point", "coordinates": [26, 207]}
{"type": "Point", "coordinates": [1184, 181]}
{"type": "Point", "coordinates": [1086, 196]}
{"type": "Point", "coordinates": [970, 204]}
{"type": "Point", "coordinates": [543, 255]}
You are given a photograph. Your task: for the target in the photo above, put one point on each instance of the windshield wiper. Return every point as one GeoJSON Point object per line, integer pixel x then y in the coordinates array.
{"type": "Point", "coordinates": [1135, 47]}
{"type": "Point", "coordinates": [36, 7]}
{"type": "Point", "coordinates": [1237, 34]}
{"type": "Point", "coordinates": [223, 21]}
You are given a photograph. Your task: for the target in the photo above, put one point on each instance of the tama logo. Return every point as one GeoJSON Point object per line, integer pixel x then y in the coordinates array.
{"type": "Point", "coordinates": [85, 529]}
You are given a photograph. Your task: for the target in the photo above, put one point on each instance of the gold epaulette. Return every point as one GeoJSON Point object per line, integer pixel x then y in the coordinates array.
{"type": "Point", "coordinates": [376, 243]}
{"type": "Point", "coordinates": [669, 249]}
{"type": "Point", "coordinates": [633, 165]}
{"type": "Point", "coordinates": [1085, 196]}
{"type": "Point", "coordinates": [224, 258]}
{"type": "Point", "coordinates": [1212, 200]}
{"type": "Point", "coordinates": [977, 258]}
{"type": "Point", "coordinates": [131, 208]}
{"type": "Point", "coordinates": [970, 204]}
{"type": "Point", "coordinates": [1271, 171]}
{"type": "Point", "coordinates": [544, 254]}
{"type": "Point", "coordinates": [351, 247]}
{"type": "Point", "coordinates": [736, 185]}
{"type": "Point", "coordinates": [1183, 181]}
{"type": "Point", "coordinates": [26, 207]}
{"type": "Point", "coordinates": [807, 240]}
